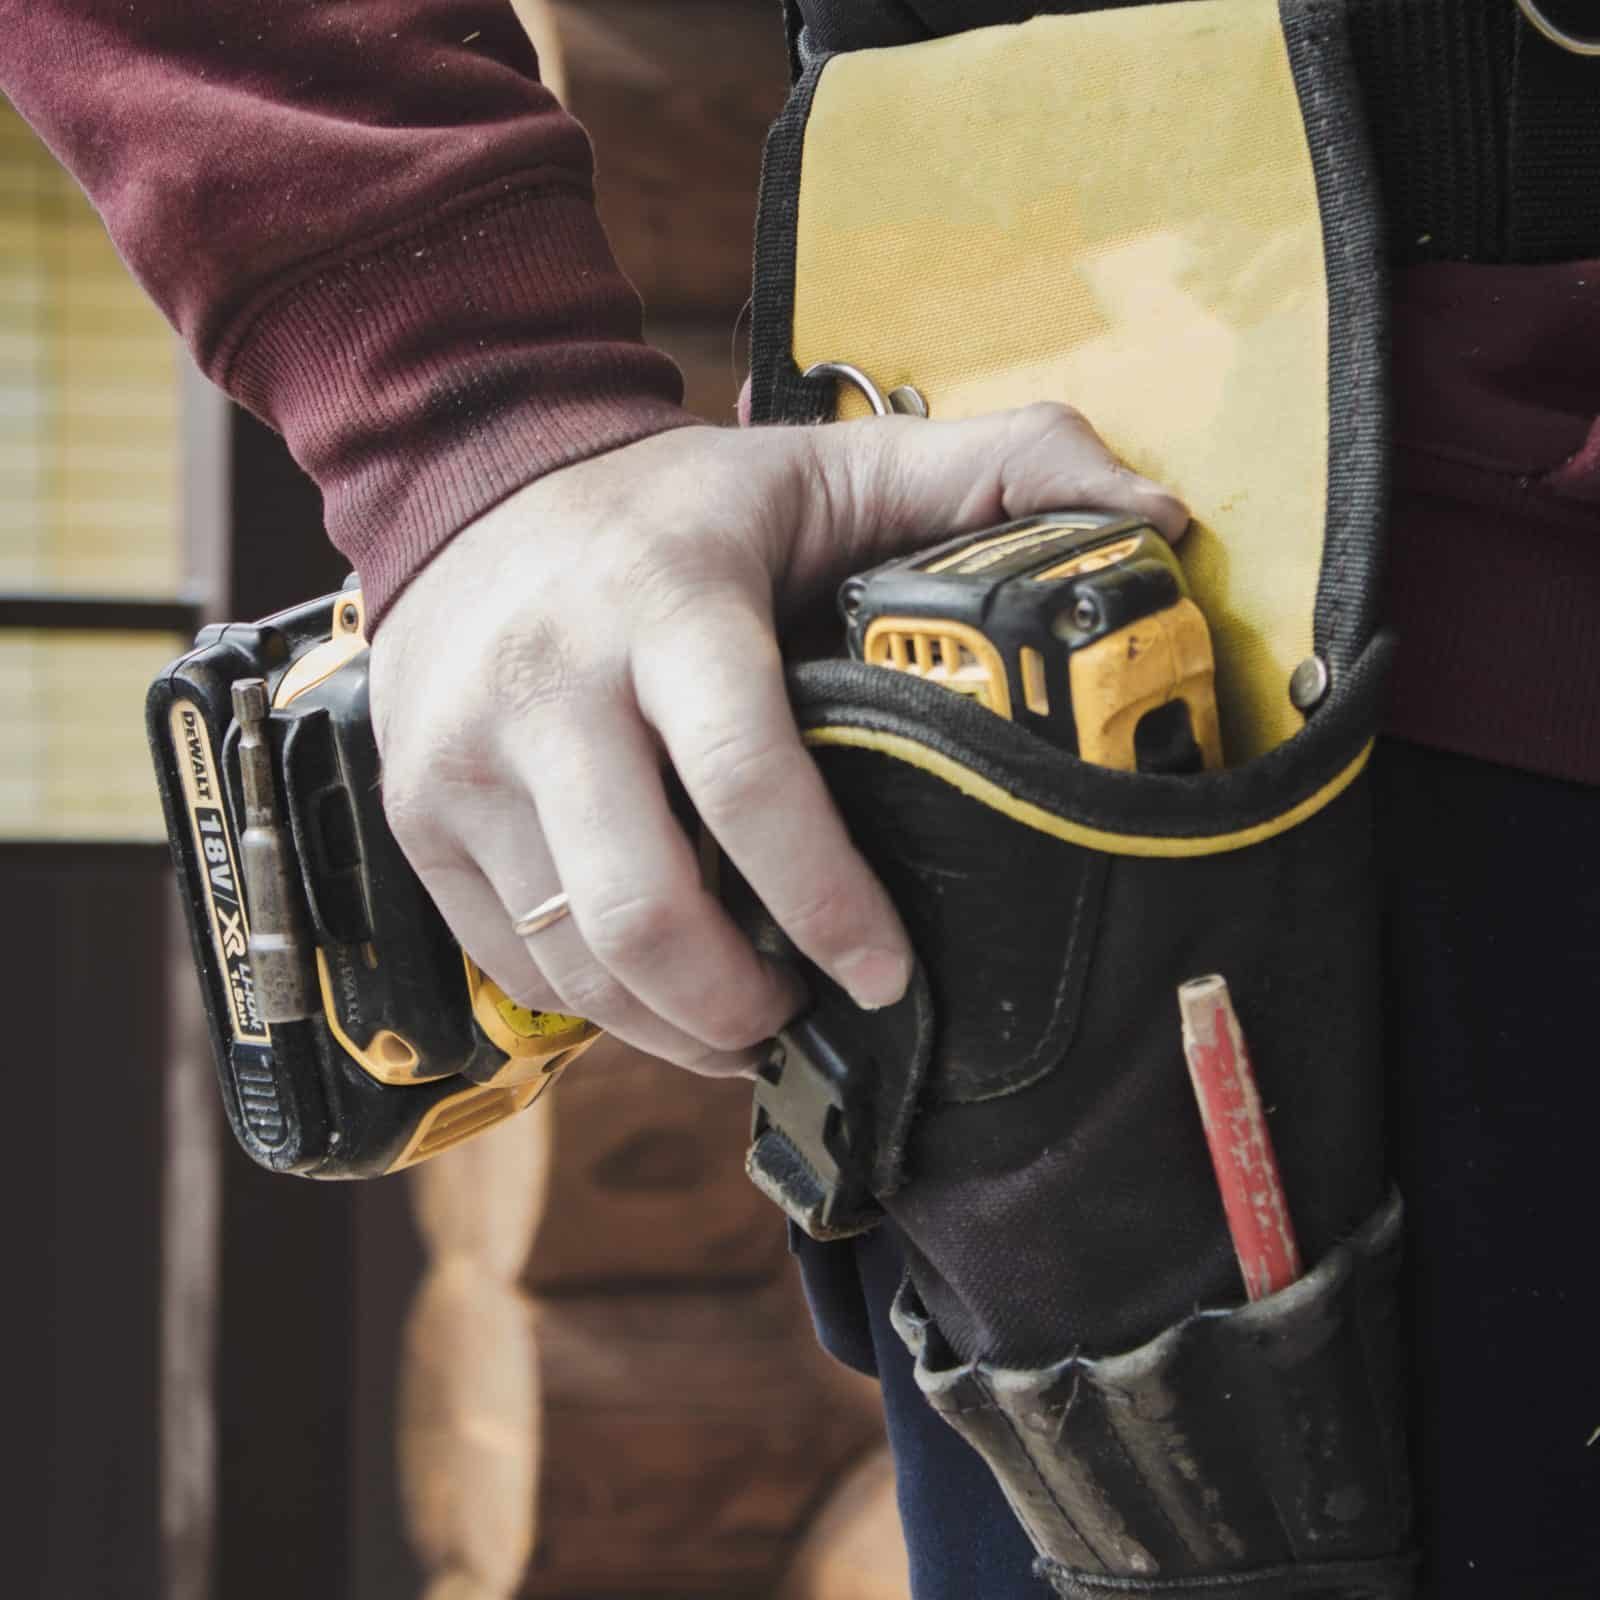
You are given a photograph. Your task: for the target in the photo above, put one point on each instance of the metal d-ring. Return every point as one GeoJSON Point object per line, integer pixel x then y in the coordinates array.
{"type": "Point", "coordinates": [1576, 43]}
{"type": "Point", "coordinates": [845, 373]}
{"type": "Point", "coordinates": [902, 401]}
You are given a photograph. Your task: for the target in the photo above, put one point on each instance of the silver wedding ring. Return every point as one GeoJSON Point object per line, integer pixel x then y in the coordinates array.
{"type": "Point", "coordinates": [543, 915]}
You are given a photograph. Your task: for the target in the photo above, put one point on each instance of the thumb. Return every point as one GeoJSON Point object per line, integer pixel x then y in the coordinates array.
{"type": "Point", "coordinates": [872, 488]}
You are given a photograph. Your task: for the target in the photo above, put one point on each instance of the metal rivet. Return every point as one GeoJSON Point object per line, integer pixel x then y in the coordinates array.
{"type": "Point", "coordinates": [1309, 683]}
{"type": "Point", "coordinates": [349, 617]}
{"type": "Point", "coordinates": [908, 401]}
{"type": "Point", "coordinates": [1086, 615]}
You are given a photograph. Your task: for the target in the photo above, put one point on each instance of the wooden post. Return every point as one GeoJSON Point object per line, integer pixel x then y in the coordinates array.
{"type": "Point", "coordinates": [677, 99]}
{"type": "Point", "coordinates": [650, 1418]}
{"type": "Point", "coordinates": [854, 1550]}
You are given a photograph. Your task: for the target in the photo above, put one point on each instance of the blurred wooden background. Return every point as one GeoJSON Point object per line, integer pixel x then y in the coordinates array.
{"type": "Point", "coordinates": [677, 99]}
{"type": "Point", "coordinates": [89, 500]}
{"type": "Point", "coordinates": [609, 1382]}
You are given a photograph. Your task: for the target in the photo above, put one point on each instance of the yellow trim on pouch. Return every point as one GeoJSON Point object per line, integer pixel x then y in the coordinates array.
{"type": "Point", "coordinates": [1076, 209]}
{"type": "Point", "coordinates": [900, 748]}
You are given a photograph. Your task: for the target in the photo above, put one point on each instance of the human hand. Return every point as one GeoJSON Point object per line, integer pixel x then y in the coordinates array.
{"type": "Point", "coordinates": [620, 615]}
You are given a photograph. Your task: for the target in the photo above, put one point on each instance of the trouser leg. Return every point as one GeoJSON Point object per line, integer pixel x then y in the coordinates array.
{"type": "Point", "coordinates": [963, 1542]}
{"type": "Point", "coordinates": [1492, 901]}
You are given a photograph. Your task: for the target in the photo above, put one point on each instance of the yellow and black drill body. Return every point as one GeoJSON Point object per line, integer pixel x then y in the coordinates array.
{"type": "Point", "coordinates": [351, 1035]}
{"type": "Point", "coordinates": [1077, 625]}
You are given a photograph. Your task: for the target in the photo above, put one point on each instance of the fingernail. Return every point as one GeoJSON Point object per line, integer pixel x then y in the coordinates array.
{"type": "Point", "coordinates": [874, 977]}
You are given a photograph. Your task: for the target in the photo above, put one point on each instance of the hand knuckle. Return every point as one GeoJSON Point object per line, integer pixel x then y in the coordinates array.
{"type": "Point", "coordinates": [736, 771]}
{"type": "Point", "coordinates": [591, 992]}
{"type": "Point", "coordinates": [630, 929]}
{"type": "Point", "coordinates": [530, 667]}
{"type": "Point", "coordinates": [739, 1026]}
{"type": "Point", "coordinates": [431, 805]}
{"type": "Point", "coordinates": [668, 598]}
{"type": "Point", "coordinates": [830, 471]}
{"type": "Point", "coordinates": [464, 776]}
{"type": "Point", "coordinates": [1053, 416]}
{"type": "Point", "coordinates": [823, 925]}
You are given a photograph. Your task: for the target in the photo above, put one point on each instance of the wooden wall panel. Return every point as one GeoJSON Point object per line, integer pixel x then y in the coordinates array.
{"type": "Point", "coordinates": [713, 355]}
{"type": "Point", "coordinates": [854, 1549]}
{"type": "Point", "coordinates": [84, 1004]}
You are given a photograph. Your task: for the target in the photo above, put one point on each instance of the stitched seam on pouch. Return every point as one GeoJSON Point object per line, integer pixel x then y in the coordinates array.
{"type": "Point", "coordinates": [1028, 1071]}
{"type": "Point", "coordinates": [1033, 1465]}
{"type": "Point", "coordinates": [1070, 976]}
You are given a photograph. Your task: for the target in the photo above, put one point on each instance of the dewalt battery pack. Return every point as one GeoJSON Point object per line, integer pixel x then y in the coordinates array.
{"type": "Point", "coordinates": [351, 1035]}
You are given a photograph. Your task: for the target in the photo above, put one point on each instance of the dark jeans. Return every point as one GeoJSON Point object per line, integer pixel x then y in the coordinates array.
{"type": "Point", "coordinates": [1492, 945]}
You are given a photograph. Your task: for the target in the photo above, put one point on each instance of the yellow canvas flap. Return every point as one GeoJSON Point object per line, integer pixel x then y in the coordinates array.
{"type": "Point", "coordinates": [1117, 210]}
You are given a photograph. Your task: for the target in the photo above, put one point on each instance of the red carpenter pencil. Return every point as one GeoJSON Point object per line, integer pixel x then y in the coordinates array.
{"type": "Point", "coordinates": [1240, 1141]}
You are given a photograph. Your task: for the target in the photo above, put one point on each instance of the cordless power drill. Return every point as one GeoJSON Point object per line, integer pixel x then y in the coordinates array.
{"type": "Point", "coordinates": [1078, 625]}
{"type": "Point", "coordinates": [351, 1034]}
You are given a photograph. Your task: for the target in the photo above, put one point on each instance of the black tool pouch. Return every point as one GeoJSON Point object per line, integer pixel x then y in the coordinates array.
{"type": "Point", "coordinates": [1186, 247]}
{"type": "Point", "coordinates": [1268, 1433]}
{"type": "Point", "coordinates": [1052, 1189]}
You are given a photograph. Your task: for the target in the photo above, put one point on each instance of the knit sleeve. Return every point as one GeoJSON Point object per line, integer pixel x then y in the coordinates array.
{"type": "Point", "coordinates": [372, 226]}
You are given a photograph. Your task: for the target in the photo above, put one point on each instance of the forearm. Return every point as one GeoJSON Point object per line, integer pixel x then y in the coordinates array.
{"type": "Point", "coordinates": [372, 226]}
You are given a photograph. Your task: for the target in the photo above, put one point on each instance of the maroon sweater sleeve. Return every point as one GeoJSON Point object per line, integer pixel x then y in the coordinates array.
{"type": "Point", "coordinates": [372, 226]}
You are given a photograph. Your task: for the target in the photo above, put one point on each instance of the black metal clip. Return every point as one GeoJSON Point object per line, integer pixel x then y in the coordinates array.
{"type": "Point", "coordinates": [811, 1137]}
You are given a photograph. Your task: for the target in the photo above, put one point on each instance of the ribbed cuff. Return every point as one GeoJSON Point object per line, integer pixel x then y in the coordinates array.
{"type": "Point", "coordinates": [425, 378]}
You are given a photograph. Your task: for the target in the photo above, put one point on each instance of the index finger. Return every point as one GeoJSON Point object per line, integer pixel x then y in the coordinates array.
{"type": "Point", "coordinates": [716, 696]}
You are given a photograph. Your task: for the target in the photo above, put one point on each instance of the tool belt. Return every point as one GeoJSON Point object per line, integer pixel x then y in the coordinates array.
{"type": "Point", "coordinates": [1166, 217]}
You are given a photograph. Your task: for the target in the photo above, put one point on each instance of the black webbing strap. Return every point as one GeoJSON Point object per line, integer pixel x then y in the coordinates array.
{"type": "Point", "coordinates": [793, 22]}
